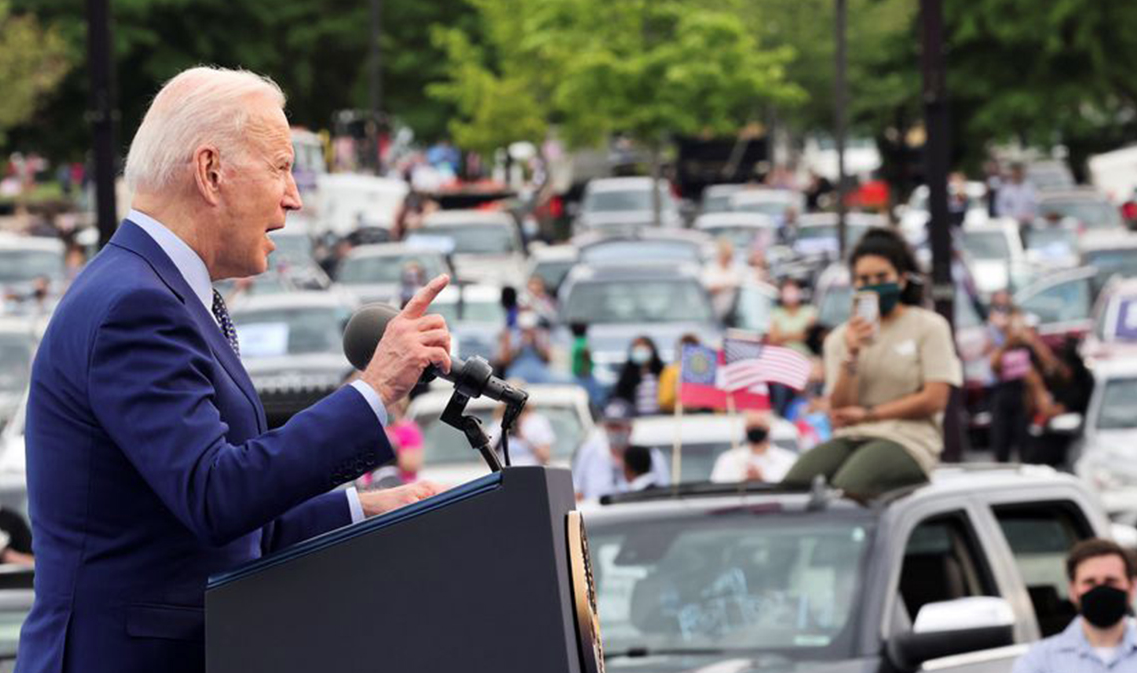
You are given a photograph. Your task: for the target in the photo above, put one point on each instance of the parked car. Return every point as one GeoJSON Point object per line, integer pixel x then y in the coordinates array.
{"type": "Point", "coordinates": [1085, 205]}
{"type": "Point", "coordinates": [18, 338]}
{"type": "Point", "coordinates": [961, 574]}
{"type": "Point", "coordinates": [448, 458]}
{"type": "Point", "coordinates": [475, 317]}
{"type": "Point", "coordinates": [552, 263]}
{"type": "Point", "coordinates": [1052, 246]}
{"type": "Point", "coordinates": [1105, 454]}
{"type": "Point", "coordinates": [1049, 175]}
{"type": "Point", "coordinates": [1062, 303]}
{"type": "Point", "coordinates": [363, 206]}
{"type": "Point", "coordinates": [619, 302]}
{"type": "Point", "coordinates": [744, 230]}
{"type": "Point", "coordinates": [703, 438]}
{"type": "Point", "coordinates": [485, 246]}
{"type": "Point", "coordinates": [624, 205]}
{"type": "Point", "coordinates": [23, 260]}
{"type": "Point", "coordinates": [995, 255]}
{"type": "Point", "coordinates": [915, 214]}
{"type": "Point", "coordinates": [817, 233]}
{"type": "Point", "coordinates": [1111, 253]}
{"type": "Point", "coordinates": [292, 347]}
{"type": "Point", "coordinates": [373, 273]}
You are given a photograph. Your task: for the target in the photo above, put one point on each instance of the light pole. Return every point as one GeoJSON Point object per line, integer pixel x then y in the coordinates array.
{"type": "Point", "coordinates": [839, 108]}
{"type": "Point", "coordinates": [102, 115]}
{"type": "Point", "coordinates": [375, 86]}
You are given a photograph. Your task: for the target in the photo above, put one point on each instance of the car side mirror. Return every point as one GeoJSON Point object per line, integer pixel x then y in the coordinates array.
{"type": "Point", "coordinates": [953, 627]}
{"type": "Point", "coordinates": [1065, 424]}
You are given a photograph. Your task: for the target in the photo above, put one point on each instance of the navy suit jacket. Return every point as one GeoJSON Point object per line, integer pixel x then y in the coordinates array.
{"type": "Point", "coordinates": [150, 467]}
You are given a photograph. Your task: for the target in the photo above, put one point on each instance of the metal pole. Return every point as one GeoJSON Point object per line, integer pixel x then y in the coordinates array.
{"type": "Point", "coordinates": [936, 160]}
{"type": "Point", "coordinates": [375, 85]}
{"type": "Point", "coordinates": [839, 108]}
{"type": "Point", "coordinates": [102, 115]}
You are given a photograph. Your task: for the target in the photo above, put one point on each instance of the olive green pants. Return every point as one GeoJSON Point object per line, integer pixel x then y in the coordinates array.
{"type": "Point", "coordinates": [861, 467]}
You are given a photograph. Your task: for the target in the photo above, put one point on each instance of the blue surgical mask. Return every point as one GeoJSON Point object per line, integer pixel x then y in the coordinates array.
{"type": "Point", "coordinates": [641, 355]}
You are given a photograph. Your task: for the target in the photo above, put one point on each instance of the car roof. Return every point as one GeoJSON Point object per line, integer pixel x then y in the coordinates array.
{"type": "Point", "coordinates": [287, 300]}
{"type": "Point", "coordinates": [596, 238]}
{"type": "Point", "coordinates": [616, 271]}
{"type": "Point", "coordinates": [701, 428]}
{"type": "Point", "coordinates": [553, 253]}
{"type": "Point", "coordinates": [390, 250]}
{"type": "Point", "coordinates": [480, 293]}
{"type": "Point", "coordinates": [723, 189]}
{"type": "Point", "coordinates": [10, 241]}
{"type": "Point", "coordinates": [1105, 240]}
{"type": "Point", "coordinates": [765, 195]}
{"type": "Point", "coordinates": [999, 224]}
{"type": "Point", "coordinates": [1114, 368]}
{"type": "Point", "coordinates": [1084, 193]}
{"type": "Point", "coordinates": [621, 184]}
{"type": "Point", "coordinates": [20, 325]}
{"type": "Point", "coordinates": [540, 394]}
{"type": "Point", "coordinates": [830, 220]}
{"type": "Point", "coordinates": [734, 219]}
{"type": "Point", "coordinates": [471, 217]}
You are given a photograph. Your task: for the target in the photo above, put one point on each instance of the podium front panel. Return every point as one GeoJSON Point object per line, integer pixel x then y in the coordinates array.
{"type": "Point", "coordinates": [477, 578]}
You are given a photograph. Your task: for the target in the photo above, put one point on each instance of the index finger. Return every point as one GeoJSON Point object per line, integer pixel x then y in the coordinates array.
{"type": "Point", "coordinates": [418, 304]}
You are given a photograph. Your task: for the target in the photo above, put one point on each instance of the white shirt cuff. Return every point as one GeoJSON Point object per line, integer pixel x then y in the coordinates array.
{"type": "Point", "coordinates": [354, 505]}
{"type": "Point", "coordinates": [373, 400]}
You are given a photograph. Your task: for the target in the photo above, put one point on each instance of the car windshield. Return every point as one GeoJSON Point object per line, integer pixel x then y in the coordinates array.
{"type": "Point", "coordinates": [477, 239]}
{"type": "Point", "coordinates": [824, 237]}
{"type": "Point", "coordinates": [1093, 214]}
{"type": "Point", "coordinates": [601, 302]}
{"type": "Point", "coordinates": [738, 580]}
{"type": "Point", "coordinates": [986, 245]}
{"type": "Point", "coordinates": [445, 444]}
{"type": "Point", "coordinates": [1117, 405]}
{"type": "Point", "coordinates": [15, 362]}
{"type": "Point", "coordinates": [385, 269]}
{"type": "Point", "coordinates": [718, 203]}
{"type": "Point", "coordinates": [295, 331]}
{"type": "Point", "coordinates": [297, 249]}
{"type": "Point", "coordinates": [1052, 241]}
{"type": "Point", "coordinates": [774, 208]}
{"type": "Point", "coordinates": [641, 250]}
{"type": "Point", "coordinates": [470, 311]}
{"type": "Point", "coordinates": [20, 266]}
{"type": "Point", "coordinates": [619, 201]}
{"type": "Point", "coordinates": [1109, 261]}
{"type": "Point", "coordinates": [742, 237]}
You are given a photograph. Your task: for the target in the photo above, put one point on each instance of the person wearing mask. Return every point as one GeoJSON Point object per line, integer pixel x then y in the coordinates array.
{"type": "Point", "coordinates": [598, 469]}
{"type": "Point", "coordinates": [525, 350]}
{"type": "Point", "coordinates": [722, 277]}
{"type": "Point", "coordinates": [637, 468]}
{"type": "Point", "coordinates": [757, 460]}
{"type": "Point", "coordinates": [888, 379]}
{"type": "Point", "coordinates": [1102, 637]}
{"type": "Point", "coordinates": [1012, 365]}
{"type": "Point", "coordinates": [639, 379]}
{"type": "Point", "coordinates": [790, 323]}
{"type": "Point", "coordinates": [531, 437]}
{"type": "Point", "coordinates": [669, 377]}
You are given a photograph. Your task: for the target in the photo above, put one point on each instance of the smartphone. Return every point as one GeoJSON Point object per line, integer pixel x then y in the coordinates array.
{"type": "Point", "coordinates": [866, 305]}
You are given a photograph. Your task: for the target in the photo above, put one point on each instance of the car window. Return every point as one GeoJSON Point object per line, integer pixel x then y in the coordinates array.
{"type": "Point", "coordinates": [445, 444]}
{"type": "Point", "coordinates": [1117, 405]}
{"type": "Point", "coordinates": [624, 200]}
{"type": "Point", "coordinates": [19, 266]}
{"type": "Point", "coordinates": [1061, 302]}
{"type": "Point", "coordinates": [1110, 261]}
{"type": "Point", "coordinates": [1040, 536]}
{"type": "Point", "coordinates": [1092, 214]}
{"type": "Point", "coordinates": [737, 580]}
{"type": "Point", "coordinates": [272, 333]}
{"type": "Point", "coordinates": [943, 562]}
{"type": "Point", "coordinates": [647, 250]}
{"type": "Point", "coordinates": [986, 245]}
{"type": "Point", "coordinates": [385, 269]}
{"type": "Point", "coordinates": [477, 239]}
{"type": "Point", "coordinates": [619, 302]}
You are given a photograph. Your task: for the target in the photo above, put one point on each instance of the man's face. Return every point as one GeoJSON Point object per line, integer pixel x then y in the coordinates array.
{"type": "Point", "coordinates": [257, 191]}
{"type": "Point", "coordinates": [619, 436]}
{"type": "Point", "coordinates": [1098, 570]}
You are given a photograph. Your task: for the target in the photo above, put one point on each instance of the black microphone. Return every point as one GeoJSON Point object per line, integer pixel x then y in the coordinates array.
{"type": "Point", "coordinates": [472, 378]}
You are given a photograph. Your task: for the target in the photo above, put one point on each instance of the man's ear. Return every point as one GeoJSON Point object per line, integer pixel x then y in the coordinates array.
{"type": "Point", "coordinates": [207, 173]}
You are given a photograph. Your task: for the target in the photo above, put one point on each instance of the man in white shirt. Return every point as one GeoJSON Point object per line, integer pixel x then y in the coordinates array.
{"type": "Point", "coordinates": [1017, 199]}
{"type": "Point", "coordinates": [758, 460]}
{"type": "Point", "coordinates": [599, 466]}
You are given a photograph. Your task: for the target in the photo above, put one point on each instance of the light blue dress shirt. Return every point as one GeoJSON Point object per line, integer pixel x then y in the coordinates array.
{"type": "Point", "coordinates": [1070, 652]}
{"type": "Point", "coordinates": [196, 275]}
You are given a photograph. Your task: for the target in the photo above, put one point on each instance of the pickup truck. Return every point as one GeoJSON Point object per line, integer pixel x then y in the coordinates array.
{"type": "Point", "coordinates": [960, 574]}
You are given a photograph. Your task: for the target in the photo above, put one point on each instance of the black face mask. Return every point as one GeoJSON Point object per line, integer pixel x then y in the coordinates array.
{"type": "Point", "coordinates": [757, 435]}
{"type": "Point", "coordinates": [1103, 606]}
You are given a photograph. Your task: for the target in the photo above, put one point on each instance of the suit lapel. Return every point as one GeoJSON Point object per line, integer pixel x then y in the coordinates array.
{"type": "Point", "coordinates": [131, 237]}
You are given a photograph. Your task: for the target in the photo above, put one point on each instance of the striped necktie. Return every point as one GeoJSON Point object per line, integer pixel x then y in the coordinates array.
{"type": "Point", "coordinates": [222, 315]}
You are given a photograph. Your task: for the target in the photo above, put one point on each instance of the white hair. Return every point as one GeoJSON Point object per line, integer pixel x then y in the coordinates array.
{"type": "Point", "coordinates": [202, 105]}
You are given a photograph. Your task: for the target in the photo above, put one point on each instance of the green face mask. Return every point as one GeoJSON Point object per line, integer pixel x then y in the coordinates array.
{"type": "Point", "coordinates": [889, 294]}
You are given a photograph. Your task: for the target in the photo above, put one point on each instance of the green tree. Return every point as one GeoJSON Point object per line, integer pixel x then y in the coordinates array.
{"type": "Point", "coordinates": [33, 60]}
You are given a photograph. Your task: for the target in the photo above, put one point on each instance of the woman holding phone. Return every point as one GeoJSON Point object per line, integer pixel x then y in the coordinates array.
{"type": "Point", "coordinates": [889, 371]}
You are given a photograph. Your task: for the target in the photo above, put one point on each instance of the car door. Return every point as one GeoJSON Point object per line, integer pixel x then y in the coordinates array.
{"type": "Point", "coordinates": [1063, 306]}
{"type": "Point", "coordinates": [943, 558]}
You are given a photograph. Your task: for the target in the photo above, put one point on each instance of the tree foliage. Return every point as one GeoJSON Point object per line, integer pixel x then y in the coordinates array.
{"type": "Point", "coordinates": [32, 62]}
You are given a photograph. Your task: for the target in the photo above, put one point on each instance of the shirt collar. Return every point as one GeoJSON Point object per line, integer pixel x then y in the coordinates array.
{"type": "Point", "coordinates": [188, 263]}
{"type": "Point", "coordinates": [1074, 638]}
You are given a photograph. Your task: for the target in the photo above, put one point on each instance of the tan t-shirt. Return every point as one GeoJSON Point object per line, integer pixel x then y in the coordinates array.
{"type": "Point", "coordinates": [908, 352]}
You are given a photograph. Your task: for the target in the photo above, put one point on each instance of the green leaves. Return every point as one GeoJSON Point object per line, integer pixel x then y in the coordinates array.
{"type": "Point", "coordinates": [32, 62]}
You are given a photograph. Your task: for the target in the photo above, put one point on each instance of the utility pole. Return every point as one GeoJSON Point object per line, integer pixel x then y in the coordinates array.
{"type": "Point", "coordinates": [375, 86]}
{"type": "Point", "coordinates": [839, 109]}
{"type": "Point", "coordinates": [936, 160]}
{"type": "Point", "coordinates": [102, 115]}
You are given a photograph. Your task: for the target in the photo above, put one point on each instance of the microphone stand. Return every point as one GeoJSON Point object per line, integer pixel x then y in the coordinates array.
{"type": "Point", "coordinates": [473, 382]}
{"type": "Point", "coordinates": [454, 415]}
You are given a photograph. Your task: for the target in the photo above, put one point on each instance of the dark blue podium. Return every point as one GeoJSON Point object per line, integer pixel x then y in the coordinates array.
{"type": "Point", "coordinates": [490, 576]}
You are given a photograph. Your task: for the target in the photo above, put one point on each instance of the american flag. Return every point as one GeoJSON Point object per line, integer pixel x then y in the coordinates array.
{"type": "Point", "coordinates": [749, 363]}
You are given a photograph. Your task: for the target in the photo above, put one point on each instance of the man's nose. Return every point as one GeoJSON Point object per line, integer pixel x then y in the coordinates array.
{"type": "Point", "coordinates": [291, 200]}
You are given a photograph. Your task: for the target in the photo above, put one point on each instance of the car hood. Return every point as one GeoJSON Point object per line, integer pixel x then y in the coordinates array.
{"type": "Point", "coordinates": [733, 663]}
{"type": "Point", "coordinates": [312, 370]}
{"type": "Point", "coordinates": [490, 269]}
{"type": "Point", "coordinates": [387, 293]}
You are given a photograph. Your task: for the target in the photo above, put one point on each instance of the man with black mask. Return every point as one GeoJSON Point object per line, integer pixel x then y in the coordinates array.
{"type": "Point", "coordinates": [756, 460]}
{"type": "Point", "coordinates": [1103, 637]}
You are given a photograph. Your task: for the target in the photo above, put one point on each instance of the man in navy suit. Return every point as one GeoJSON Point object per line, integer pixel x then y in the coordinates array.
{"type": "Point", "coordinates": [150, 465]}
